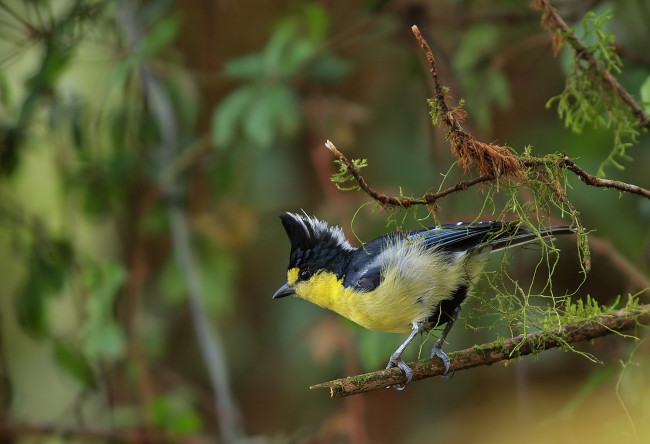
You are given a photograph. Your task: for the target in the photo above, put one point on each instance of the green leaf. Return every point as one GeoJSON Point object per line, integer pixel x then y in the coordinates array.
{"type": "Point", "coordinates": [246, 67]}
{"type": "Point", "coordinates": [30, 309]}
{"type": "Point", "coordinates": [498, 88]}
{"type": "Point", "coordinates": [477, 43]}
{"type": "Point", "coordinates": [227, 117]}
{"type": "Point", "coordinates": [343, 175]}
{"type": "Point", "coordinates": [50, 264]}
{"type": "Point", "coordinates": [173, 412]}
{"type": "Point", "coordinates": [284, 109]}
{"type": "Point", "coordinates": [56, 59]}
{"type": "Point", "coordinates": [186, 423]}
{"type": "Point", "coordinates": [160, 36]}
{"type": "Point", "coordinates": [73, 361]}
{"type": "Point", "coordinates": [317, 20]}
{"type": "Point", "coordinates": [217, 275]}
{"type": "Point", "coordinates": [274, 52]}
{"type": "Point", "coordinates": [48, 268]}
{"type": "Point", "coordinates": [105, 341]}
{"type": "Point", "coordinates": [102, 335]}
{"type": "Point", "coordinates": [645, 95]}
{"type": "Point", "coordinates": [327, 69]}
{"type": "Point", "coordinates": [275, 113]}
{"type": "Point", "coordinates": [122, 71]}
{"type": "Point", "coordinates": [105, 281]}
{"type": "Point", "coordinates": [258, 125]}
{"type": "Point", "coordinates": [299, 52]}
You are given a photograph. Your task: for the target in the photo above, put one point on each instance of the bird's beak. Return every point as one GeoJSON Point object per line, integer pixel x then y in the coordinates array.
{"type": "Point", "coordinates": [285, 290]}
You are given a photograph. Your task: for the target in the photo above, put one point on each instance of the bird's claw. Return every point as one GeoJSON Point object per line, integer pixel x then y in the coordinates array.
{"type": "Point", "coordinates": [437, 351]}
{"type": "Point", "coordinates": [397, 361]}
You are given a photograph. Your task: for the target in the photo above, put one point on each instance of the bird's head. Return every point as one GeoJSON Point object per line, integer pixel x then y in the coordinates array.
{"type": "Point", "coordinates": [319, 255]}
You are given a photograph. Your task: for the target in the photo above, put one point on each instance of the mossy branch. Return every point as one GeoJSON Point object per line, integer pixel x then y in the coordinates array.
{"type": "Point", "coordinates": [532, 343]}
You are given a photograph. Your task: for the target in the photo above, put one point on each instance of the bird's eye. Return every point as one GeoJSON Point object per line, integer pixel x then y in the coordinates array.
{"type": "Point", "coordinates": [304, 274]}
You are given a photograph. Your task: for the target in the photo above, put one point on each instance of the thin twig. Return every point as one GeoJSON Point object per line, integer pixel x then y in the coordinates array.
{"type": "Point", "coordinates": [558, 29]}
{"type": "Point", "coordinates": [596, 181]}
{"type": "Point", "coordinates": [615, 322]}
{"type": "Point", "coordinates": [587, 178]}
{"type": "Point", "coordinates": [440, 98]}
{"type": "Point", "coordinates": [428, 199]}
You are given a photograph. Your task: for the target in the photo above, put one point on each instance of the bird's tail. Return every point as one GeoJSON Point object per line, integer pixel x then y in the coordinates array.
{"type": "Point", "coordinates": [512, 235]}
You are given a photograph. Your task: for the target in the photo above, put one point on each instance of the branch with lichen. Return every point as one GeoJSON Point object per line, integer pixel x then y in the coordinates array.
{"type": "Point", "coordinates": [615, 322]}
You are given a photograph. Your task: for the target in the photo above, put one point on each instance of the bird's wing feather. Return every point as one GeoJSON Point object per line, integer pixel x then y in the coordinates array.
{"type": "Point", "coordinates": [460, 236]}
{"type": "Point", "coordinates": [471, 236]}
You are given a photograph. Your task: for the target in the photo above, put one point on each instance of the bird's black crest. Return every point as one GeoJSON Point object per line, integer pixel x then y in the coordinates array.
{"type": "Point", "coordinates": [312, 239]}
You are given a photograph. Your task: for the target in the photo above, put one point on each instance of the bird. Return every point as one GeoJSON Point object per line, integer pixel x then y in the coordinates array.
{"type": "Point", "coordinates": [401, 282]}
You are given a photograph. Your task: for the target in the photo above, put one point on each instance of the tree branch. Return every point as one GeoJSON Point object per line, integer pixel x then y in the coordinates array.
{"type": "Point", "coordinates": [614, 322]}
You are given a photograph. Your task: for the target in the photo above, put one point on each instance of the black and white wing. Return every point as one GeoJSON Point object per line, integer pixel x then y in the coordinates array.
{"type": "Point", "coordinates": [471, 236]}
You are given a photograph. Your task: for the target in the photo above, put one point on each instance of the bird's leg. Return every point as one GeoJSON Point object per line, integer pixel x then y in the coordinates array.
{"type": "Point", "coordinates": [396, 358]}
{"type": "Point", "coordinates": [437, 348]}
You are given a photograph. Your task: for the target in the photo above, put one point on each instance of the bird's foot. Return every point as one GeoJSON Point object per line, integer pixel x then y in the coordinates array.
{"type": "Point", "coordinates": [437, 351]}
{"type": "Point", "coordinates": [397, 361]}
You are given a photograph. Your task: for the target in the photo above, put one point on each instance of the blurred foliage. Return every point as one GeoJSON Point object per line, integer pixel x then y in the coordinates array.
{"type": "Point", "coordinates": [488, 87]}
{"type": "Point", "coordinates": [103, 337]}
{"type": "Point", "coordinates": [267, 107]}
{"type": "Point", "coordinates": [47, 269]}
{"type": "Point", "coordinates": [588, 100]}
{"type": "Point", "coordinates": [175, 413]}
{"type": "Point", "coordinates": [95, 325]}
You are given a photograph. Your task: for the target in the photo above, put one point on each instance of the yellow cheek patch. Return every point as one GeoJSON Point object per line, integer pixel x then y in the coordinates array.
{"type": "Point", "coordinates": [292, 276]}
